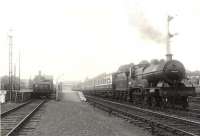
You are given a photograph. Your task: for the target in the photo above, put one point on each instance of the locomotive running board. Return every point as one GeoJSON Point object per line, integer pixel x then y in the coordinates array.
{"type": "Point", "coordinates": [181, 91]}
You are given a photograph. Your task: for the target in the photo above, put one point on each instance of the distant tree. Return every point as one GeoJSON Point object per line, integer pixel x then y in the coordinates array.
{"type": "Point", "coordinates": [162, 61]}
{"type": "Point", "coordinates": [154, 61]}
{"type": "Point", "coordinates": [197, 73]}
{"type": "Point", "coordinates": [144, 63]}
{"type": "Point", "coordinates": [5, 83]}
{"type": "Point", "coordinates": [193, 73]}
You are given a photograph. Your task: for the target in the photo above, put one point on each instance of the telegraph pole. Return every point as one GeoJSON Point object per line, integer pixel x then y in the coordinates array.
{"type": "Point", "coordinates": [10, 63]}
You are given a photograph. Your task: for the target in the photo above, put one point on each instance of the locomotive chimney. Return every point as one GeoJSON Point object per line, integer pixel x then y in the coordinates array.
{"type": "Point", "coordinates": [169, 57]}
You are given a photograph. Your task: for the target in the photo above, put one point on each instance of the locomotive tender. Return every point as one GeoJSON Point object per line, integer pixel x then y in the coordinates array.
{"type": "Point", "coordinates": [160, 84]}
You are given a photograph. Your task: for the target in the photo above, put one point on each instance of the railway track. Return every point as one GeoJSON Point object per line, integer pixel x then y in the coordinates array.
{"type": "Point", "coordinates": [191, 114]}
{"type": "Point", "coordinates": [6, 111]}
{"type": "Point", "coordinates": [195, 99]}
{"type": "Point", "coordinates": [156, 122]}
{"type": "Point", "coordinates": [14, 119]}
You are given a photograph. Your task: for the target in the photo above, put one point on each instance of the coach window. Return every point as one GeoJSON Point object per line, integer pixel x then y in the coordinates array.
{"type": "Point", "coordinates": [108, 80]}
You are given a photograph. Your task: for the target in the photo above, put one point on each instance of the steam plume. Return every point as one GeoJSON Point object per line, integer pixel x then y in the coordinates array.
{"type": "Point", "coordinates": [146, 28]}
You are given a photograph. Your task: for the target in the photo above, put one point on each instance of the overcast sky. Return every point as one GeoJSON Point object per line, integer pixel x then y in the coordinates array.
{"type": "Point", "coordinates": [80, 38]}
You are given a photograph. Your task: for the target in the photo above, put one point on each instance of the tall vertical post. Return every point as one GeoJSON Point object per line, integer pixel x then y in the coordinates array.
{"type": "Point", "coordinates": [168, 55]}
{"type": "Point", "coordinates": [57, 90]}
{"type": "Point", "coordinates": [57, 87]}
{"type": "Point", "coordinates": [10, 63]}
{"type": "Point", "coordinates": [15, 83]}
{"type": "Point", "coordinates": [14, 78]}
{"type": "Point", "coordinates": [19, 72]}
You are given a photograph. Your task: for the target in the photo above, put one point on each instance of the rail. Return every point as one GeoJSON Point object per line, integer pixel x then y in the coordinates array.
{"type": "Point", "coordinates": [153, 118]}
{"type": "Point", "coordinates": [15, 118]}
{"type": "Point", "coordinates": [22, 122]}
{"type": "Point", "coordinates": [14, 109]}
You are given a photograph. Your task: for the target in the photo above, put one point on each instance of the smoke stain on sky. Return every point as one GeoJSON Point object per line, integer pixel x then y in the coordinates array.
{"type": "Point", "coordinates": [147, 30]}
{"type": "Point", "coordinates": [145, 23]}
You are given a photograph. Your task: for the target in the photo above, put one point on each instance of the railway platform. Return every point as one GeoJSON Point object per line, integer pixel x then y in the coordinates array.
{"type": "Point", "coordinates": [15, 96]}
{"type": "Point", "coordinates": [72, 117]}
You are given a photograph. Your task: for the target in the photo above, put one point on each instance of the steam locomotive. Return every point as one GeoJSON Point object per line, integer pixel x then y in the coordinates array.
{"type": "Point", "coordinates": [163, 84]}
{"type": "Point", "coordinates": [42, 86]}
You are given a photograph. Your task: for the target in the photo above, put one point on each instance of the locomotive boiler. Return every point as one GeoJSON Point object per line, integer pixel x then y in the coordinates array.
{"type": "Point", "coordinates": [169, 71]}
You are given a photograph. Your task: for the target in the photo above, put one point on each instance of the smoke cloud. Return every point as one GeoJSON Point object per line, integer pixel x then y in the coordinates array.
{"type": "Point", "coordinates": [146, 28]}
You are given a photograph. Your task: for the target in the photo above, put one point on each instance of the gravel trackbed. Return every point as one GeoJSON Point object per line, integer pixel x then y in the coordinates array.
{"type": "Point", "coordinates": [71, 117]}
